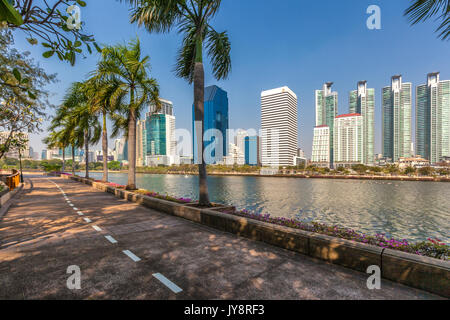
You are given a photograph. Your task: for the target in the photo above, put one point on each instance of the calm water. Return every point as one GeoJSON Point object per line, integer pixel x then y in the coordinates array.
{"type": "Point", "coordinates": [410, 210]}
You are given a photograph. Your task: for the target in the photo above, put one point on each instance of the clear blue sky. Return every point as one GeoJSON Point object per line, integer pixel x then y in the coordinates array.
{"type": "Point", "coordinates": [296, 43]}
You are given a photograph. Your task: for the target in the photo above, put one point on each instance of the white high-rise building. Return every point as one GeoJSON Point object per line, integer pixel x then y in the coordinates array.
{"type": "Point", "coordinates": [348, 140]}
{"type": "Point", "coordinates": [321, 146]}
{"type": "Point", "coordinates": [279, 129]}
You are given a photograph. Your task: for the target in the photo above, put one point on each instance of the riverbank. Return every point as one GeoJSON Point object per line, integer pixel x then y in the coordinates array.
{"type": "Point", "coordinates": [298, 176]}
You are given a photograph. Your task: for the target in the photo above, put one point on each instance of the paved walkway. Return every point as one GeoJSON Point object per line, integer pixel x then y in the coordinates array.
{"type": "Point", "coordinates": [126, 251]}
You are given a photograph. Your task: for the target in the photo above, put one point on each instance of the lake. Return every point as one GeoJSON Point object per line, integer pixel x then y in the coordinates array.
{"type": "Point", "coordinates": [403, 209]}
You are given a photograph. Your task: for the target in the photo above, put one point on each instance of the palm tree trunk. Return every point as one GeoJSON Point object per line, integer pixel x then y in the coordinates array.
{"type": "Point", "coordinates": [64, 160]}
{"type": "Point", "coordinates": [199, 109]}
{"type": "Point", "coordinates": [132, 145]}
{"type": "Point", "coordinates": [105, 149]}
{"type": "Point", "coordinates": [73, 159]}
{"type": "Point", "coordinates": [86, 148]}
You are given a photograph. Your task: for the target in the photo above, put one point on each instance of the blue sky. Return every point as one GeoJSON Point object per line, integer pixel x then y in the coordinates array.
{"type": "Point", "coordinates": [301, 44]}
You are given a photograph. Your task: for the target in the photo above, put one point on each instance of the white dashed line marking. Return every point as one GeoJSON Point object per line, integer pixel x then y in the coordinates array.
{"type": "Point", "coordinates": [112, 240]}
{"type": "Point", "coordinates": [169, 284]}
{"type": "Point", "coordinates": [71, 204]}
{"type": "Point", "coordinates": [76, 209]}
{"type": "Point", "coordinates": [87, 220]}
{"type": "Point", "coordinates": [96, 228]}
{"type": "Point", "coordinates": [80, 213]}
{"type": "Point", "coordinates": [131, 255]}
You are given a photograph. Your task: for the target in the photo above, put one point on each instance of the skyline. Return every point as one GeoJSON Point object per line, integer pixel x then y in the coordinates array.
{"type": "Point", "coordinates": [287, 52]}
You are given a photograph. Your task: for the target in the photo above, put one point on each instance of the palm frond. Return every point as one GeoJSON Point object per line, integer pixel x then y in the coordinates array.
{"type": "Point", "coordinates": [219, 48]}
{"type": "Point", "coordinates": [422, 10]}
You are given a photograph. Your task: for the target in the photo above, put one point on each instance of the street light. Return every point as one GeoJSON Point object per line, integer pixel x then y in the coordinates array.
{"type": "Point", "coordinates": [20, 165]}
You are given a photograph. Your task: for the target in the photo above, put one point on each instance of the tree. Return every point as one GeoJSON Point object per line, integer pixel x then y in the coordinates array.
{"type": "Point", "coordinates": [100, 100]}
{"type": "Point", "coordinates": [58, 140]}
{"type": "Point", "coordinates": [410, 170]}
{"type": "Point", "coordinates": [422, 10]}
{"type": "Point", "coordinates": [426, 171]}
{"type": "Point", "coordinates": [134, 89]}
{"type": "Point", "coordinates": [47, 21]}
{"type": "Point", "coordinates": [192, 19]}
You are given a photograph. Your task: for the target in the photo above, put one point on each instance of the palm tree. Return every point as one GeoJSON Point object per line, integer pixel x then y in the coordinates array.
{"type": "Point", "coordinates": [422, 10]}
{"type": "Point", "coordinates": [192, 19]}
{"type": "Point", "coordinates": [58, 139]}
{"type": "Point", "coordinates": [134, 89]}
{"type": "Point", "coordinates": [75, 116]}
{"type": "Point", "coordinates": [99, 95]}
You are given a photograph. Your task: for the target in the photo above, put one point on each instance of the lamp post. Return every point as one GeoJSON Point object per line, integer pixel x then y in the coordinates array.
{"type": "Point", "coordinates": [20, 166]}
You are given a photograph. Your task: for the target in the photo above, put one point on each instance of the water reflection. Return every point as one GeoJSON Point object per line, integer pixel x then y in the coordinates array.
{"type": "Point", "coordinates": [411, 210]}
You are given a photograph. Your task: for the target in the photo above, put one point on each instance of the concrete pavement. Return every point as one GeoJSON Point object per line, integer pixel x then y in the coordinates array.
{"type": "Point", "coordinates": [126, 251]}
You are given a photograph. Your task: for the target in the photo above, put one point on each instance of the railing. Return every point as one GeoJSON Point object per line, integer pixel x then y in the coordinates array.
{"type": "Point", "coordinates": [13, 180]}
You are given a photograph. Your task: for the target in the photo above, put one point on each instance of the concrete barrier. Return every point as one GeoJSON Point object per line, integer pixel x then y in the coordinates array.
{"type": "Point", "coordinates": [424, 273]}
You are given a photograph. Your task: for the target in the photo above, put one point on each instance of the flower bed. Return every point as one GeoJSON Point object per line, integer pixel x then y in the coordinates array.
{"type": "Point", "coordinates": [434, 248]}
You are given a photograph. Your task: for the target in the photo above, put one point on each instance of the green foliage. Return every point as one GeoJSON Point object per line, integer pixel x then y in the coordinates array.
{"type": "Point", "coordinates": [423, 10]}
{"type": "Point", "coordinates": [114, 165]}
{"type": "Point", "coordinates": [426, 171]}
{"type": "Point", "coordinates": [46, 22]}
{"type": "Point", "coordinates": [410, 170]}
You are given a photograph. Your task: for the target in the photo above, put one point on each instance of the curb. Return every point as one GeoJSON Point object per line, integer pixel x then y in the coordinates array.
{"type": "Point", "coordinates": [4, 207]}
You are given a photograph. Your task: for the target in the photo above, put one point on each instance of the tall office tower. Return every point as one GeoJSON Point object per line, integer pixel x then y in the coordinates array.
{"type": "Point", "coordinates": [348, 140]}
{"type": "Point", "coordinates": [215, 124]}
{"type": "Point", "coordinates": [165, 108]}
{"type": "Point", "coordinates": [321, 146]}
{"type": "Point", "coordinates": [279, 129]}
{"type": "Point", "coordinates": [252, 152]}
{"type": "Point", "coordinates": [326, 111]}
{"type": "Point", "coordinates": [433, 118]}
{"type": "Point", "coordinates": [397, 106]}
{"type": "Point", "coordinates": [362, 101]}
{"type": "Point", "coordinates": [140, 131]}
{"type": "Point", "coordinates": [159, 139]}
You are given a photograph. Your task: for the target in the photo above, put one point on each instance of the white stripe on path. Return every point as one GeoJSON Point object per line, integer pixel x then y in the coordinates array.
{"type": "Point", "coordinates": [169, 284]}
{"type": "Point", "coordinates": [87, 220]}
{"type": "Point", "coordinates": [96, 228]}
{"type": "Point", "coordinates": [80, 213]}
{"type": "Point", "coordinates": [112, 240]}
{"type": "Point", "coordinates": [76, 209]}
{"type": "Point", "coordinates": [131, 255]}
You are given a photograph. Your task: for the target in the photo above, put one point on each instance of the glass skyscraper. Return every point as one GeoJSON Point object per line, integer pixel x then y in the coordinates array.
{"type": "Point", "coordinates": [326, 111]}
{"type": "Point", "coordinates": [215, 117]}
{"type": "Point", "coordinates": [251, 150]}
{"type": "Point", "coordinates": [433, 118]}
{"type": "Point", "coordinates": [362, 101]}
{"type": "Point", "coordinates": [397, 106]}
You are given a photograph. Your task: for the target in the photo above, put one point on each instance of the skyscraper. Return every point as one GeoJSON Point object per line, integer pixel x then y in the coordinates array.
{"type": "Point", "coordinates": [397, 105]}
{"type": "Point", "coordinates": [348, 140]}
{"type": "Point", "coordinates": [251, 150]}
{"type": "Point", "coordinates": [362, 101]}
{"type": "Point", "coordinates": [433, 118]}
{"type": "Point", "coordinates": [159, 139]}
{"type": "Point", "coordinates": [215, 118]}
{"type": "Point", "coordinates": [140, 131]}
{"type": "Point", "coordinates": [321, 146]}
{"type": "Point", "coordinates": [279, 129]}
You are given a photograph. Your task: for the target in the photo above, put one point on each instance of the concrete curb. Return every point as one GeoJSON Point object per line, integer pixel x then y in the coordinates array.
{"type": "Point", "coordinates": [424, 273]}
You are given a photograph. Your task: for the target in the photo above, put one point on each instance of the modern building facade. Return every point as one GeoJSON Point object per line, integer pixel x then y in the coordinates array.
{"type": "Point", "coordinates": [215, 126]}
{"type": "Point", "coordinates": [326, 110]}
{"type": "Point", "coordinates": [159, 136]}
{"type": "Point", "coordinates": [362, 101]}
{"type": "Point", "coordinates": [252, 152]}
{"type": "Point", "coordinates": [279, 129]}
{"type": "Point", "coordinates": [140, 131]}
{"type": "Point", "coordinates": [397, 110]}
{"type": "Point", "coordinates": [321, 146]}
{"type": "Point", "coordinates": [433, 118]}
{"type": "Point", "coordinates": [348, 140]}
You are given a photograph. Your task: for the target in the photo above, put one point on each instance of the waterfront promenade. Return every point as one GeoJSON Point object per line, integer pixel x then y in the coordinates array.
{"type": "Point", "coordinates": [126, 251]}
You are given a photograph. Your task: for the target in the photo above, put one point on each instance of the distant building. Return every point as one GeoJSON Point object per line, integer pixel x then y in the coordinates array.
{"type": "Point", "coordinates": [279, 129]}
{"type": "Point", "coordinates": [348, 140]}
{"type": "Point", "coordinates": [321, 146]}
{"type": "Point", "coordinates": [362, 101]}
{"type": "Point", "coordinates": [326, 111]}
{"type": "Point", "coordinates": [252, 152]}
{"type": "Point", "coordinates": [416, 162]}
{"type": "Point", "coordinates": [160, 143]}
{"type": "Point", "coordinates": [433, 118]}
{"type": "Point", "coordinates": [215, 119]}
{"type": "Point", "coordinates": [14, 153]}
{"type": "Point", "coordinates": [397, 110]}
{"type": "Point", "coordinates": [140, 137]}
